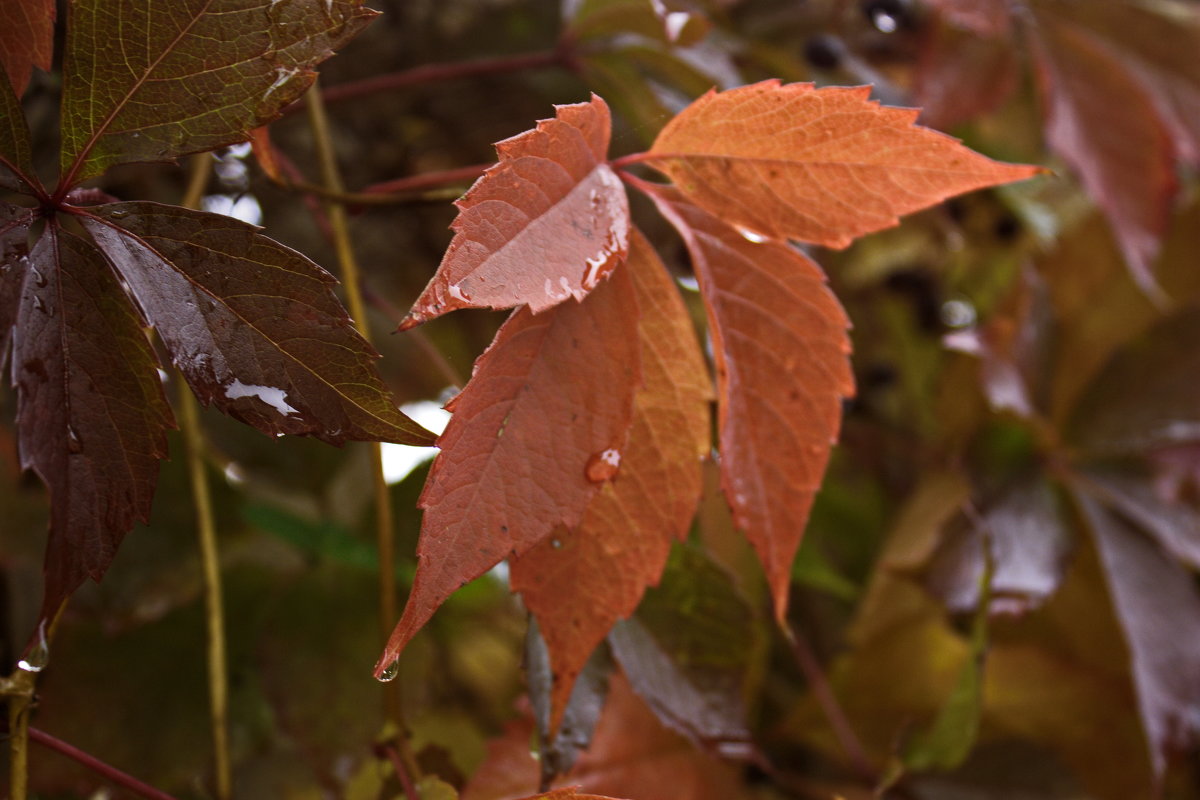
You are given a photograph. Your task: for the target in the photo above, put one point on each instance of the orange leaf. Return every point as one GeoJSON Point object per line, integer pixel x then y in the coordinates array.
{"type": "Point", "coordinates": [781, 350]}
{"type": "Point", "coordinates": [1124, 159]}
{"type": "Point", "coordinates": [583, 581]}
{"type": "Point", "coordinates": [553, 394]}
{"type": "Point", "coordinates": [568, 793]}
{"type": "Point", "coordinates": [821, 165]}
{"type": "Point", "coordinates": [548, 222]}
{"type": "Point", "coordinates": [26, 39]}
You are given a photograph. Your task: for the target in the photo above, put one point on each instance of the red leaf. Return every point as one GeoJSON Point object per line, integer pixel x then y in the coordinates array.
{"type": "Point", "coordinates": [1124, 159]}
{"type": "Point", "coordinates": [821, 165]}
{"type": "Point", "coordinates": [1158, 609]}
{"type": "Point", "coordinates": [553, 392]}
{"type": "Point", "coordinates": [91, 414]}
{"type": "Point", "coordinates": [583, 580]}
{"type": "Point", "coordinates": [26, 39]}
{"type": "Point", "coordinates": [14, 256]}
{"type": "Point", "coordinates": [569, 793]}
{"type": "Point", "coordinates": [961, 76]}
{"type": "Point", "coordinates": [548, 222]}
{"type": "Point", "coordinates": [184, 76]}
{"type": "Point", "coordinates": [780, 343]}
{"type": "Point", "coordinates": [253, 326]}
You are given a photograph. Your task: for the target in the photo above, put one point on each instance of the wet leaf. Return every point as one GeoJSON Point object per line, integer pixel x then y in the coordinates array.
{"type": "Point", "coordinates": [1157, 607]}
{"type": "Point", "coordinates": [91, 413]}
{"type": "Point", "coordinates": [14, 256]}
{"type": "Point", "coordinates": [192, 76]}
{"type": "Point", "coordinates": [1124, 160]}
{"type": "Point", "coordinates": [1175, 525]}
{"type": "Point", "coordinates": [781, 349]}
{"type": "Point", "coordinates": [26, 39]}
{"type": "Point", "coordinates": [253, 326]}
{"type": "Point", "coordinates": [820, 165]}
{"type": "Point", "coordinates": [552, 396]}
{"type": "Point", "coordinates": [549, 222]}
{"type": "Point", "coordinates": [581, 581]}
{"type": "Point", "coordinates": [569, 793]}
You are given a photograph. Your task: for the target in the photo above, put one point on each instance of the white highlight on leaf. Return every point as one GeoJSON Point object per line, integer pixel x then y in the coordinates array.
{"type": "Point", "coordinates": [282, 76]}
{"type": "Point", "coordinates": [611, 457]}
{"type": "Point", "coordinates": [457, 293]}
{"type": "Point", "coordinates": [272, 396]}
{"type": "Point", "coordinates": [674, 23]}
{"type": "Point", "coordinates": [752, 236]}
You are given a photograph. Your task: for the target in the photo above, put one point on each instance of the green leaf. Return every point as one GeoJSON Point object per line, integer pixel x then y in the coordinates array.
{"type": "Point", "coordinates": [155, 80]}
{"type": "Point", "coordinates": [16, 162]}
{"type": "Point", "coordinates": [253, 326]}
{"type": "Point", "coordinates": [91, 415]}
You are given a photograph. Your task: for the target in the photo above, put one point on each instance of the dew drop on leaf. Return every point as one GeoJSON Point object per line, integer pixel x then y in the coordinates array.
{"type": "Point", "coordinates": [39, 655]}
{"type": "Point", "coordinates": [603, 466]}
{"type": "Point", "coordinates": [390, 672]}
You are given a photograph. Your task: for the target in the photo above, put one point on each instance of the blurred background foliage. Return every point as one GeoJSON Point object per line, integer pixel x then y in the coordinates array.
{"type": "Point", "coordinates": [1017, 391]}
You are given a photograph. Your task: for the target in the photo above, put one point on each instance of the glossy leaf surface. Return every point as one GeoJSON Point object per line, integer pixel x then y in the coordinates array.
{"type": "Point", "coordinates": [91, 413]}
{"type": "Point", "coordinates": [547, 223]}
{"type": "Point", "coordinates": [251, 324]}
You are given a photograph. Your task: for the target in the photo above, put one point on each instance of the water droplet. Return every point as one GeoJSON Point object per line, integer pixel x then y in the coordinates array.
{"type": "Point", "coordinates": [74, 444]}
{"type": "Point", "coordinates": [455, 291]}
{"type": "Point", "coordinates": [118, 213]}
{"type": "Point", "coordinates": [39, 279]}
{"type": "Point", "coordinates": [390, 671]}
{"type": "Point", "coordinates": [39, 304]}
{"type": "Point", "coordinates": [603, 466]}
{"type": "Point", "coordinates": [752, 236]}
{"type": "Point", "coordinates": [556, 544]}
{"type": "Point", "coordinates": [38, 656]}
{"type": "Point", "coordinates": [884, 22]}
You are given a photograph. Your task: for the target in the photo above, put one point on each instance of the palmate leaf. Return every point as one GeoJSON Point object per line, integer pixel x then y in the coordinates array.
{"type": "Point", "coordinates": [91, 415]}
{"type": "Point", "coordinates": [547, 223]}
{"type": "Point", "coordinates": [581, 581]}
{"type": "Point", "coordinates": [26, 39]}
{"type": "Point", "coordinates": [155, 80]}
{"type": "Point", "coordinates": [252, 325]}
{"type": "Point", "coordinates": [16, 162]}
{"type": "Point", "coordinates": [536, 432]}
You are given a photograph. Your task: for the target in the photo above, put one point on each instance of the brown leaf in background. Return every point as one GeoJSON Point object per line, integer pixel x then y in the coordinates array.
{"type": "Point", "coordinates": [91, 414]}
{"type": "Point", "coordinates": [583, 580]}
{"type": "Point", "coordinates": [986, 17]}
{"type": "Point", "coordinates": [549, 222]}
{"type": "Point", "coordinates": [961, 76]}
{"type": "Point", "coordinates": [536, 433]}
{"type": "Point", "coordinates": [782, 355]}
{"type": "Point", "coordinates": [820, 165]}
{"type": "Point", "coordinates": [26, 39]}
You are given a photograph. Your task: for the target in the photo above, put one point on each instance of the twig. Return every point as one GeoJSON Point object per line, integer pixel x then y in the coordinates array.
{"type": "Point", "coordinates": [829, 704]}
{"type": "Point", "coordinates": [418, 336]}
{"type": "Point", "coordinates": [389, 751]}
{"type": "Point", "coordinates": [384, 523]}
{"type": "Point", "coordinates": [96, 765]}
{"type": "Point", "coordinates": [193, 437]}
{"type": "Point", "coordinates": [18, 689]}
{"type": "Point", "coordinates": [425, 180]}
{"type": "Point", "coordinates": [431, 73]}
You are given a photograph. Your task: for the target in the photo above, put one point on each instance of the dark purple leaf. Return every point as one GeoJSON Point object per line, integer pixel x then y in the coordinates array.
{"type": "Point", "coordinates": [91, 414]}
{"type": "Point", "coordinates": [253, 326]}
{"type": "Point", "coordinates": [14, 256]}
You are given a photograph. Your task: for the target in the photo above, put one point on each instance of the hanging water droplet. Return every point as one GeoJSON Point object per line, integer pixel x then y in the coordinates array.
{"type": "Point", "coordinates": [390, 671]}
{"type": "Point", "coordinates": [603, 466]}
{"type": "Point", "coordinates": [38, 656]}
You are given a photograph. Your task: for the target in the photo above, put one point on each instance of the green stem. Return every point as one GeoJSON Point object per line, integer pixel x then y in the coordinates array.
{"type": "Point", "coordinates": [19, 689]}
{"type": "Point", "coordinates": [193, 437]}
{"type": "Point", "coordinates": [384, 520]}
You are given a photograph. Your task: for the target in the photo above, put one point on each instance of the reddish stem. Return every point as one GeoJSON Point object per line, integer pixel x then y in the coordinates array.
{"type": "Point", "coordinates": [96, 765]}
{"type": "Point", "coordinates": [823, 693]}
{"type": "Point", "coordinates": [430, 73]}
{"type": "Point", "coordinates": [389, 750]}
{"type": "Point", "coordinates": [427, 179]}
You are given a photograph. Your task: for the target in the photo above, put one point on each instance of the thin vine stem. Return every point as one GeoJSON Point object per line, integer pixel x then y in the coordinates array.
{"type": "Point", "coordinates": [561, 56]}
{"type": "Point", "coordinates": [384, 517]}
{"type": "Point", "coordinates": [114, 775]}
{"type": "Point", "coordinates": [214, 612]}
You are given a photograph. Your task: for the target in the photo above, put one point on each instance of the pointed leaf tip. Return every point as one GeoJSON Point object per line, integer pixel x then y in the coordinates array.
{"type": "Point", "coordinates": [819, 165]}
{"type": "Point", "coordinates": [549, 222]}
